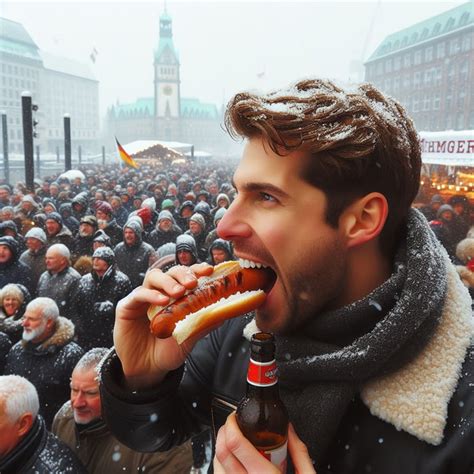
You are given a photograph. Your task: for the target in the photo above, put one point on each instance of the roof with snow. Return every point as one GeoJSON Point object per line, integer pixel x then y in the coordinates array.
{"type": "Point", "coordinates": [138, 146]}
{"type": "Point", "coordinates": [458, 18]}
{"type": "Point", "coordinates": [67, 66]}
{"type": "Point", "coordinates": [15, 40]}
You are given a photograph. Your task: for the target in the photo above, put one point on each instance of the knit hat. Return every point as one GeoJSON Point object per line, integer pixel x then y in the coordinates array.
{"type": "Point", "coordinates": [437, 198]}
{"type": "Point", "coordinates": [166, 249]}
{"type": "Point", "coordinates": [199, 219]}
{"type": "Point", "coordinates": [91, 220]}
{"type": "Point", "coordinates": [145, 214]}
{"type": "Point", "coordinates": [165, 215]}
{"type": "Point", "coordinates": [167, 204]}
{"type": "Point", "coordinates": [203, 208]}
{"type": "Point", "coordinates": [55, 216]}
{"type": "Point", "coordinates": [29, 198]}
{"type": "Point", "coordinates": [106, 254]}
{"type": "Point", "coordinates": [219, 214]}
{"type": "Point", "coordinates": [221, 244]}
{"type": "Point", "coordinates": [8, 225]}
{"type": "Point", "coordinates": [444, 208]}
{"type": "Point", "coordinates": [150, 203]}
{"type": "Point", "coordinates": [38, 234]}
{"type": "Point", "coordinates": [186, 242]}
{"type": "Point", "coordinates": [101, 236]}
{"type": "Point", "coordinates": [133, 217]}
{"type": "Point", "coordinates": [104, 207]}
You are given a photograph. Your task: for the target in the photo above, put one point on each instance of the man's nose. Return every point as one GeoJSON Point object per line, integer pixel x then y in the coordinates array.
{"type": "Point", "coordinates": [234, 223]}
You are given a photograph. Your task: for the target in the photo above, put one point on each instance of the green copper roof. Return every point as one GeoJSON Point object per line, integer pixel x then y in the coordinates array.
{"type": "Point", "coordinates": [14, 39]}
{"type": "Point", "coordinates": [145, 107]}
{"type": "Point", "coordinates": [18, 49]}
{"type": "Point", "coordinates": [163, 44]}
{"type": "Point", "coordinates": [444, 23]}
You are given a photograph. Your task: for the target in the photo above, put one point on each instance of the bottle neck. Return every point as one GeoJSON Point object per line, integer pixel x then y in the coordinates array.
{"type": "Point", "coordinates": [262, 378]}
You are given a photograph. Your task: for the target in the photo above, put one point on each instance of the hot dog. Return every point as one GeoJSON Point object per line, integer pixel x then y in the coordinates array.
{"type": "Point", "coordinates": [229, 292]}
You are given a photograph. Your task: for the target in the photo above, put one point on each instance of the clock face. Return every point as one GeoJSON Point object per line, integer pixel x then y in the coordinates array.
{"type": "Point", "coordinates": [167, 90]}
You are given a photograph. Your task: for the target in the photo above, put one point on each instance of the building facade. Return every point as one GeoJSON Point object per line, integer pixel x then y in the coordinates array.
{"type": "Point", "coordinates": [167, 115]}
{"type": "Point", "coordinates": [429, 68]}
{"type": "Point", "coordinates": [57, 85]}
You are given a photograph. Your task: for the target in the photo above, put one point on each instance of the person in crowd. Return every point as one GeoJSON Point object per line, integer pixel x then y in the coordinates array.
{"type": "Point", "coordinates": [186, 250]}
{"type": "Point", "coordinates": [133, 256]}
{"type": "Point", "coordinates": [197, 229]}
{"type": "Point", "coordinates": [28, 208]}
{"type": "Point", "coordinates": [57, 232]}
{"type": "Point", "coordinates": [79, 424]}
{"type": "Point", "coordinates": [166, 230]}
{"type": "Point", "coordinates": [5, 194]}
{"type": "Point", "coordinates": [12, 270]}
{"type": "Point", "coordinates": [48, 206]}
{"type": "Point", "coordinates": [204, 209]}
{"type": "Point", "coordinates": [60, 280]}
{"type": "Point", "coordinates": [96, 298]}
{"type": "Point", "coordinates": [13, 300]}
{"type": "Point", "coordinates": [5, 346]}
{"type": "Point", "coordinates": [26, 446]}
{"type": "Point", "coordinates": [107, 223]}
{"type": "Point", "coordinates": [65, 211]}
{"type": "Point", "coordinates": [213, 189]}
{"type": "Point", "coordinates": [430, 211]}
{"type": "Point", "coordinates": [43, 192]}
{"type": "Point", "coordinates": [212, 235]}
{"type": "Point", "coordinates": [186, 210]}
{"type": "Point", "coordinates": [120, 213]}
{"type": "Point", "coordinates": [7, 213]}
{"type": "Point", "coordinates": [34, 256]}
{"type": "Point", "coordinates": [101, 239]}
{"type": "Point", "coordinates": [80, 205]}
{"type": "Point", "coordinates": [9, 227]}
{"type": "Point", "coordinates": [222, 201]}
{"type": "Point", "coordinates": [85, 238]}
{"type": "Point", "coordinates": [202, 196]}
{"type": "Point", "coordinates": [126, 201]}
{"type": "Point", "coordinates": [220, 251]}
{"type": "Point", "coordinates": [166, 256]}
{"type": "Point", "coordinates": [46, 355]}
{"type": "Point", "coordinates": [443, 228]}
{"type": "Point", "coordinates": [372, 325]}
{"type": "Point", "coordinates": [460, 225]}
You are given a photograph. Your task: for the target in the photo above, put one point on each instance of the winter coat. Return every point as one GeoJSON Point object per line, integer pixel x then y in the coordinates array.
{"type": "Point", "coordinates": [202, 249]}
{"type": "Point", "coordinates": [15, 271]}
{"type": "Point", "coordinates": [60, 287]}
{"type": "Point", "coordinates": [48, 366]}
{"type": "Point", "coordinates": [40, 452]}
{"type": "Point", "coordinates": [102, 453]}
{"type": "Point", "coordinates": [11, 325]}
{"type": "Point", "coordinates": [94, 303]}
{"type": "Point", "coordinates": [114, 231]}
{"type": "Point", "coordinates": [64, 236]}
{"type": "Point", "coordinates": [36, 262]}
{"type": "Point", "coordinates": [83, 246]}
{"type": "Point", "coordinates": [83, 200]}
{"type": "Point", "coordinates": [134, 260]}
{"type": "Point", "coordinates": [5, 346]}
{"type": "Point", "coordinates": [157, 238]}
{"type": "Point", "coordinates": [121, 216]}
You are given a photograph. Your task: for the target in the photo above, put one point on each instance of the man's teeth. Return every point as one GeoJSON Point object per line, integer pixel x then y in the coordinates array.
{"type": "Point", "coordinates": [250, 264]}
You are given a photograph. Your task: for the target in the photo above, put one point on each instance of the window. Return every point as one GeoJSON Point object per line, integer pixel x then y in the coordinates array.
{"type": "Point", "coordinates": [437, 28]}
{"type": "Point", "coordinates": [424, 34]}
{"type": "Point", "coordinates": [417, 57]}
{"type": "Point", "coordinates": [428, 77]}
{"type": "Point", "coordinates": [397, 63]}
{"type": "Point", "coordinates": [454, 46]}
{"type": "Point", "coordinates": [460, 121]}
{"type": "Point", "coordinates": [466, 43]}
{"type": "Point", "coordinates": [429, 54]}
{"type": "Point", "coordinates": [464, 72]}
{"type": "Point", "coordinates": [438, 76]}
{"type": "Point", "coordinates": [417, 80]}
{"type": "Point", "coordinates": [449, 24]}
{"type": "Point", "coordinates": [440, 50]}
{"type": "Point", "coordinates": [407, 60]}
{"type": "Point", "coordinates": [448, 102]}
{"type": "Point", "coordinates": [388, 65]}
{"type": "Point", "coordinates": [426, 102]}
{"type": "Point", "coordinates": [416, 104]}
{"type": "Point", "coordinates": [436, 102]}
{"type": "Point", "coordinates": [464, 19]}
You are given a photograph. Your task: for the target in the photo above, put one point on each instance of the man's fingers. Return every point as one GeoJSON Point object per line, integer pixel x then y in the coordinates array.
{"type": "Point", "coordinates": [139, 299]}
{"type": "Point", "coordinates": [298, 452]}
{"type": "Point", "coordinates": [224, 460]}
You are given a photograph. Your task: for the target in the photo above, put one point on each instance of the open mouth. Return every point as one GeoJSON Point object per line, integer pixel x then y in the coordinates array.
{"type": "Point", "coordinates": [272, 276]}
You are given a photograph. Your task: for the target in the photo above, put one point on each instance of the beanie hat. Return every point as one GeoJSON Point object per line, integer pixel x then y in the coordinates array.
{"type": "Point", "coordinates": [8, 225]}
{"type": "Point", "coordinates": [166, 204]}
{"type": "Point", "coordinates": [203, 208]}
{"type": "Point", "coordinates": [223, 245]}
{"type": "Point", "coordinates": [101, 236]}
{"type": "Point", "coordinates": [166, 249]}
{"type": "Point", "coordinates": [186, 242]}
{"type": "Point", "coordinates": [165, 215]}
{"type": "Point", "coordinates": [437, 198]}
{"type": "Point", "coordinates": [219, 214]}
{"type": "Point", "coordinates": [133, 217]}
{"type": "Point", "coordinates": [150, 203]}
{"type": "Point", "coordinates": [104, 206]}
{"type": "Point", "coordinates": [55, 216]}
{"type": "Point", "coordinates": [91, 220]}
{"type": "Point", "coordinates": [199, 219]}
{"type": "Point", "coordinates": [29, 198]}
{"type": "Point", "coordinates": [444, 208]}
{"type": "Point", "coordinates": [38, 234]}
{"type": "Point", "coordinates": [106, 254]}
{"type": "Point", "coordinates": [145, 214]}
{"type": "Point", "coordinates": [135, 225]}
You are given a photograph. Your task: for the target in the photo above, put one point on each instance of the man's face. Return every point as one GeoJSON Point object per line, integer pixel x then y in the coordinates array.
{"type": "Point", "coordinates": [55, 262]}
{"type": "Point", "coordinates": [185, 257]}
{"type": "Point", "coordinates": [219, 255]}
{"type": "Point", "coordinates": [86, 230]}
{"type": "Point", "coordinates": [115, 203]}
{"type": "Point", "coordinates": [53, 190]}
{"type": "Point", "coordinates": [4, 195]}
{"type": "Point", "coordinates": [85, 396]}
{"type": "Point", "coordinates": [99, 266]}
{"type": "Point", "coordinates": [278, 219]}
{"type": "Point", "coordinates": [165, 225]}
{"type": "Point", "coordinates": [101, 215]}
{"type": "Point", "coordinates": [9, 435]}
{"type": "Point", "coordinates": [129, 236]}
{"type": "Point", "coordinates": [34, 325]}
{"type": "Point", "coordinates": [5, 254]}
{"type": "Point", "coordinates": [447, 216]}
{"type": "Point", "coordinates": [52, 227]}
{"type": "Point", "coordinates": [34, 244]}
{"type": "Point", "coordinates": [458, 209]}
{"type": "Point", "coordinates": [194, 227]}
{"type": "Point", "coordinates": [213, 189]}
{"type": "Point", "coordinates": [186, 212]}
{"type": "Point", "coordinates": [26, 206]}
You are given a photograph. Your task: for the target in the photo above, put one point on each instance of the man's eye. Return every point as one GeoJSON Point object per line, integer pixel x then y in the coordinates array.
{"type": "Point", "coordinates": [267, 197]}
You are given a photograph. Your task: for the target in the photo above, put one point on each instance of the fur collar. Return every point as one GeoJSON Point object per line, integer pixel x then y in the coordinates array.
{"type": "Point", "coordinates": [63, 335]}
{"type": "Point", "coordinates": [415, 398]}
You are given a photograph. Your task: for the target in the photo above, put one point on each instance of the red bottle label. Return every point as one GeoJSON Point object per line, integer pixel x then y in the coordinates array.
{"type": "Point", "coordinates": [262, 374]}
{"type": "Point", "coordinates": [277, 457]}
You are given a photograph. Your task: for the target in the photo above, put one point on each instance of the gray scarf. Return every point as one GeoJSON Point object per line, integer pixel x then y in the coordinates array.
{"type": "Point", "coordinates": [323, 366]}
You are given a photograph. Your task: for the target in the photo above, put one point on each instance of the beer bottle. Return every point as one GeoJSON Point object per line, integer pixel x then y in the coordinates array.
{"type": "Point", "coordinates": [261, 415]}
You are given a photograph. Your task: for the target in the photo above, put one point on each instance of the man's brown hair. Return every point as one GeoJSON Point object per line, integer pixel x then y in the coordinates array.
{"type": "Point", "coordinates": [360, 142]}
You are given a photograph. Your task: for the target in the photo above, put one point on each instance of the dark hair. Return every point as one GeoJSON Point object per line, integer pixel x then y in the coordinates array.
{"type": "Point", "coordinates": [360, 142]}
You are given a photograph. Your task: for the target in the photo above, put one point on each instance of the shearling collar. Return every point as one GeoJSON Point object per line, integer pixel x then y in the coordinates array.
{"type": "Point", "coordinates": [63, 335]}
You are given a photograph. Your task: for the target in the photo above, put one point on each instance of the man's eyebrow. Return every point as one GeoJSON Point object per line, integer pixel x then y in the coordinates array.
{"type": "Point", "coordinates": [262, 187]}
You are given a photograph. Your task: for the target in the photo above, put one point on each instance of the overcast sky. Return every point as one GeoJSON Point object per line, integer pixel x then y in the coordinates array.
{"type": "Point", "coordinates": [224, 46]}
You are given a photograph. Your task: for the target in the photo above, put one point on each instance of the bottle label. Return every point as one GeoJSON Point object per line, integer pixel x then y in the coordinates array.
{"type": "Point", "coordinates": [262, 374]}
{"type": "Point", "coordinates": [277, 457]}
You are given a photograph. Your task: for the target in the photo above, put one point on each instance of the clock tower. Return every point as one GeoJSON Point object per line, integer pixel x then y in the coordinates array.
{"type": "Point", "coordinates": [167, 82]}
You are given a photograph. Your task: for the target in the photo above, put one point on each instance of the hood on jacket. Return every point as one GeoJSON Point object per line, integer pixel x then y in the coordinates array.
{"type": "Point", "coordinates": [186, 242]}
{"type": "Point", "coordinates": [203, 208]}
{"type": "Point", "coordinates": [81, 199]}
{"type": "Point", "coordinates": [137, 229]}
{"type": "Point", "coordinates": [444, 208]}
{"type": "Point", "coordinates": [12, 244]}
{"type": "Point", "coordinates": [55, 216]}
{"type": "Point", "coordinates": [65, 210]}
{"type": "Point", "coordinates": [8, 225]}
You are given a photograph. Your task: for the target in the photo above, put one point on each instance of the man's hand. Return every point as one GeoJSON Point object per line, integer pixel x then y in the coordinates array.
{"type": "Point", "coordinates": [145, 359]}
{"type": "Point", "coordinates": [236, 455]}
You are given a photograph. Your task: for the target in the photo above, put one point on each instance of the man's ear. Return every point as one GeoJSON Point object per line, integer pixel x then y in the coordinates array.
{"type": "Point", "coordinates": [364, 219]}
{"type": "Point", "coordinates": [25, 422]}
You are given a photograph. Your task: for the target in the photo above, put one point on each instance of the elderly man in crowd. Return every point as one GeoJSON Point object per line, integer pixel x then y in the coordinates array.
{"type": "Point", "coordinates": [79, 424]}
{"type": "Point", "coordinates": [59, 281]}
{"type": "Point", "coordinates": [11, 269]}
{"type": "Point", "coordinates": [96, 298]}
{"type": "Point", "coordinates": [107, 222]}
{"type": "Point", "coordinates": [85, 238]}
{"type": "Point", "coordinates": [197, 229]}
{"type": "Point", "coordinates": [25, 444]}
{"type": "Point", "coordinates": [5, 194]}
{"type": "Point", "coordinates": [57, 232]}
{"type": "Point", "coordinates": [166, 230]}
{"type": "Point", "coordinates": [34, 256]}
{"type": "Point", "coordinates": [46, 355]}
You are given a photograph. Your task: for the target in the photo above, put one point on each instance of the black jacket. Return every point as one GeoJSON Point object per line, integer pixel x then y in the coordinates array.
{"type": "Point", "coordinates": [94, 304]}
{"type": "Point", "coordinates": [157, 238]}
{"type": "Point", "coordinates": [5, 345]}
{"type": "Point", "coordinates": [40, 452]}
{"type": "Point", "coordinates": [134, 260]}
{"type": "Point", "coordinates": [48, 366]}
{"type": "Point", "coordinates": [15, 271]}
{"type": "Point", "coordinates": [214, 381]}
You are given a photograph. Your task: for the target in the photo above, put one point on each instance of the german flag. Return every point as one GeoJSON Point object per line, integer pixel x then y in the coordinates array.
{"type": "Point", "coordinates": [126, 158]}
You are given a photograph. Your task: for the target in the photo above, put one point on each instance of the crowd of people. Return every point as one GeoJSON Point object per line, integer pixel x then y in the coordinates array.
{"type": "Point", "coordinates": [70, 250]}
